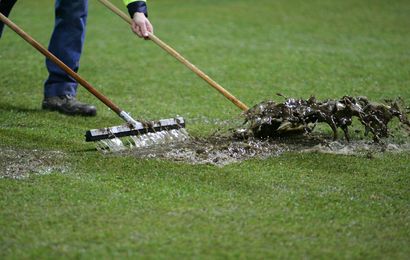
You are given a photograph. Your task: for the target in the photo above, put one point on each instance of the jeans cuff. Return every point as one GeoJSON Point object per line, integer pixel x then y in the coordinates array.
{"type": "Point", "coordinates": [58, 89]}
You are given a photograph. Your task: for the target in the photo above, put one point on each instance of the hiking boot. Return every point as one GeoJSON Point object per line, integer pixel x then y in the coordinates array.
{"type": "Point", "coordinates": [68, 105]}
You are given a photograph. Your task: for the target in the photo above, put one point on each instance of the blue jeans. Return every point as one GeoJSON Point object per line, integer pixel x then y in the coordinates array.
{"type": "Point", "coordinates": [66, 43]}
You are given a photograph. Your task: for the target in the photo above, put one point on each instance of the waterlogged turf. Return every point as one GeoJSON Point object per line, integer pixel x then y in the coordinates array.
{"type": "Point", "coordinates": [21, 164]}
{"type": "Point", "coordinates": [231, 146]}
{"type": "Point", "coordinates": [76, 202]}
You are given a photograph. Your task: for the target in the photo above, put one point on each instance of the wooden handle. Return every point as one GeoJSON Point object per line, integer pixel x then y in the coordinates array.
{"type": "Point", "coordinates": [61, 64]}
{"type": "Point", "coordinates": [179, 57]}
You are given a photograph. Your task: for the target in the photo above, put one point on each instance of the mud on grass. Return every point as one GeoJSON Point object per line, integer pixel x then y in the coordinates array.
{"type": "Point", "coordinates": [272, 128]}
{"type": "Point", "coordinates": [20, 164]}
{"type": "Point", "coordinates": [270, 118]}
{"type": "Point", "coordinates": [223, 149]}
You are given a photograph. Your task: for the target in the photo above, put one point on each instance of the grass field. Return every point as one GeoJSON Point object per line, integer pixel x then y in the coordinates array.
{"type": "Point", "coordinates": [298, 205]}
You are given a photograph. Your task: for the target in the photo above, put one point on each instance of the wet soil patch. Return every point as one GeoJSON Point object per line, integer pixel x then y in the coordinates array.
{"type": "Point", "coordinates": [221, 150]}
{"type": "Point", "coordinates": [20, 164]}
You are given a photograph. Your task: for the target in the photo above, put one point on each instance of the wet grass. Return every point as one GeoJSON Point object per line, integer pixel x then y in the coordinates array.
{"type": "Point", "coordinates": [296, 205]}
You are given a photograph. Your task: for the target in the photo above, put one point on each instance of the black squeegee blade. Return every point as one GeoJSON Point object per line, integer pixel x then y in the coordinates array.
{"type": "Point", "coordinates": [127, 130]}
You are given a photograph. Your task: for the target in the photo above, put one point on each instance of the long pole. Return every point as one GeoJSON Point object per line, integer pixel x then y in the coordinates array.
{"type": "Point", "coordinates": [179, 57]}
{"type": "Point", "coordinates": [68, 70]}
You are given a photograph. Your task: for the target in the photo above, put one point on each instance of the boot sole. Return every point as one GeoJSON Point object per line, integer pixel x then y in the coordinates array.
{"type": "Point", "coordinates": [68, 112]}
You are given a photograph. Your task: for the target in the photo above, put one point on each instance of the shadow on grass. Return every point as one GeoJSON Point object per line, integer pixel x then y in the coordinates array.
{"type": "Point", "coordinates": [6, 107]}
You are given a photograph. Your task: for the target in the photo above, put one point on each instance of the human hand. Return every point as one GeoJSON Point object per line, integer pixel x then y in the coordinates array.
{"type": "Point", "coordinates": [141, 26]}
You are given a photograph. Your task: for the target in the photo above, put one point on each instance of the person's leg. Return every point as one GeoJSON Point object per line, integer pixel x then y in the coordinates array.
{"type": "Point", "coordinates": [66, 43]}
{"type": "Point", "coordinates": [5, 9]}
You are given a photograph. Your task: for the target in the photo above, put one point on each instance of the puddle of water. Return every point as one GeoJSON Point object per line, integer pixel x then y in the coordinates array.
{"type": "Point", "coordinates": [221, 150]}
{"type": "Point", "coordinates": [214, 150]}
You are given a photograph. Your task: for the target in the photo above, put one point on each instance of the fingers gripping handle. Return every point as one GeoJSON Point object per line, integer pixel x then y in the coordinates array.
{"type": "Point", "coordinates": [179, 57]}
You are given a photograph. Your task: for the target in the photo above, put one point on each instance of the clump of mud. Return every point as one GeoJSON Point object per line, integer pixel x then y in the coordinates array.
{"type": "Point", "coordinates": [20, 164]}
{"type": "Point", "coordinates": [270, 119]}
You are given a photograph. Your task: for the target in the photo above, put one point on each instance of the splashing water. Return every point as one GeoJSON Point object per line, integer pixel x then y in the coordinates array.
{"type": "Point", "coordinates": [270, 119]}
{"type": "Point", "coordinates": [142, 141]}
{"type": "Point", "coordinates": [271, 129]}
{"type": "Point", "coordinates": [114, 145]}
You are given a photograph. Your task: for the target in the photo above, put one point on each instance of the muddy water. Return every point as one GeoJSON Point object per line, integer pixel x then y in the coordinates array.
{"type": "Point", "coordinates": [271, 119]}
{"type": "Point", "coordinates": [216, 150]}
{"type": "Point", "coordinates": [272, 128]}
{"type": "Point", "coordinates": [221, 150]}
